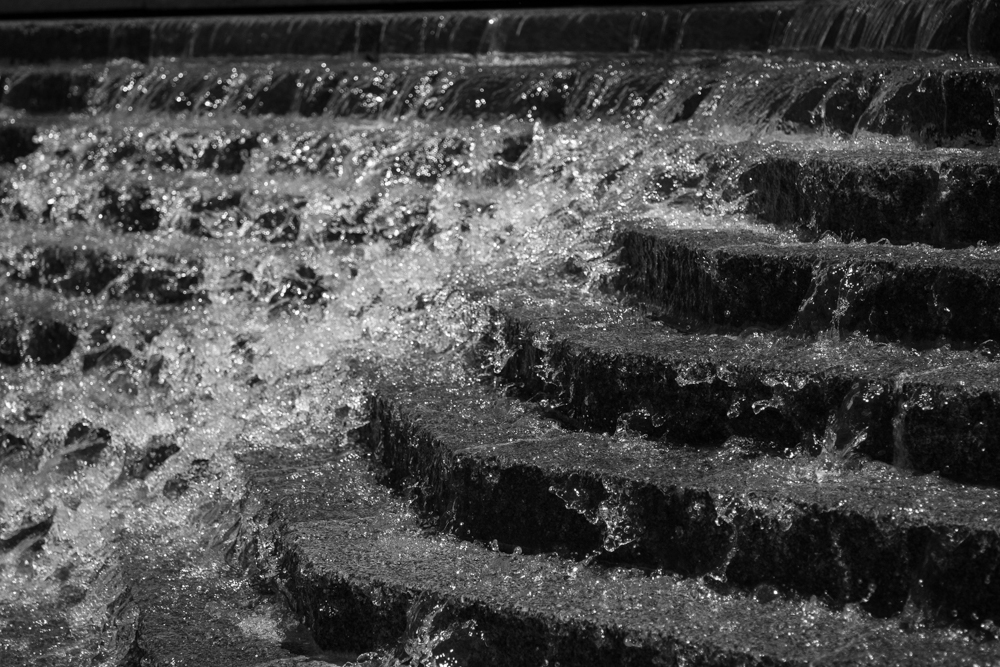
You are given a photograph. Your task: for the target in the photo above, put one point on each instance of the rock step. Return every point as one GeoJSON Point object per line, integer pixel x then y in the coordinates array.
{"type": "Point", "coordinates": [620, 30]}
{"type": "Point", "coordinates": [605, 368]}
{"type": "Point", "coordinates": [845, 531]}
{"type": "Point", "coordinates": [739, 278]}
{"type": "Point", "coordinates": [944, 199]}
{"type": "Point", "coordinates": [363, 575]}
{"type": "Point", "coordinates": [361, 582]}
{"type": "Point", "coordinates": [933, 102]}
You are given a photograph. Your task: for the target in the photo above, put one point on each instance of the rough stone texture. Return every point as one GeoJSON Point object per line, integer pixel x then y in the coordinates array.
{"type": "Point", "coordinates": [362, 573]}
{"type": "Point", "coordinates": [833, 526]}
{"type": "Point", "coordinates": [76, 269]}
{"type": "Point", "coordinates": [916, 295]}
{"type": "Point", "coordinates": [873, 195]}
{"type": "Point", "coordinates": [935, 412]}
{"type": "Point", "coordinates": [500, 609]}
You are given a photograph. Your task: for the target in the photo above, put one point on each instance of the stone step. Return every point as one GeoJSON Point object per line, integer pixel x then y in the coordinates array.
{"type": "Point", "coordinates": [372, 33]}
{"type": "Point", "coordinates": [843, 530]}
{"type": "Point", "coordinates": [743, 278]}
{"type": "Point", "coordinates": [935, 102]}
{"type": "Point", "coordinates": [356, 565]}
{"type": "Point", "coordinates": [605, 368]}
{"type": "Point", "coordinates": [943, 198]}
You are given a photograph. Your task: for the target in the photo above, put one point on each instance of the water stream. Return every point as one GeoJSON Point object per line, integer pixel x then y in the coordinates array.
{"type": "Point", "coordinates": [313, 223]}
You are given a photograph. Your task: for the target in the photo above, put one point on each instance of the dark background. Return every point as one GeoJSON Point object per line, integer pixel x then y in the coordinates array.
{"type": "Point", "coordinates": [97, 8]}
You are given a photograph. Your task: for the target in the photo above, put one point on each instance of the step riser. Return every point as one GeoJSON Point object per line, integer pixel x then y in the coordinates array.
{"type": "Point", "coordinates": [813, 291]}
{"type": "Point", "coordinates": [652, 29]}
{"type": "Point", "coordinates": [812, 550]}
{"type": "Point", "coordinates": [945, 205]}
{"type": "Point", "coordinates": [761, 93]}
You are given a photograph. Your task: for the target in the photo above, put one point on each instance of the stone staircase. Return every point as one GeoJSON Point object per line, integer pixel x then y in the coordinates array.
{"type": "Point", "coordinates": [468, 352]}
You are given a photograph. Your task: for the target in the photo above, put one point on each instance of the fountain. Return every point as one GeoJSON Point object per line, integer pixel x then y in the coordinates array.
{"type": "Point", "coordinates": [656, 335]}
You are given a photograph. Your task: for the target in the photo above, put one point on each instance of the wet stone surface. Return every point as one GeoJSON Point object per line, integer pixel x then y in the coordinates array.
{"type": "Point", "coordinates": [377, 360]}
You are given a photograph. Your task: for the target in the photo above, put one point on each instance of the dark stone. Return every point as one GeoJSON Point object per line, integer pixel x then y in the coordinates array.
{"type": "Point", "coordinates": [63, 268]}
{"type": "Point", "coordinates": [504, 169]}
{"type": "Point", "coordinates": [162, 280]}
{"type": "Point", "coordinates": [175, 487]}
{"type": "Point", "coordinates": [41, 340]}
{"type": "Point", "coordinates": [84, 443]}
{"type": "Point", "coordinates": [48, 341]}
{"type": "Point", "coordinates": [16, 141]}
{"type": "Point", "coordinates": [10, 342]}
{"type": "Point", "coordinates": [35, 531]}
{"type": "Point", "coordinates": [159, 449]}
{"type": "Point", "coordinates": [11, 444]}
{"type": "Point", "coordinates": [130, 209]}
{"type": "Point", "coordinates": [109, 357]}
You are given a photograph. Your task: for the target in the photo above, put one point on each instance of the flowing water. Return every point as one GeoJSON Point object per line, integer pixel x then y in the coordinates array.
{"type": "Point", "coordinates": [340, 219]}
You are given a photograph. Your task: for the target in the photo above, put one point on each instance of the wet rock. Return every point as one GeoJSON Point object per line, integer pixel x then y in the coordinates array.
{"type": "Point", "coordinates": [162, 280]}
{"type": "Point", "coordinates": [129, 209]}
{"type": "Point", "coordinates": [753, 278]}
{"type": "Point", "coordinates": [228, 155]}
{"type": "Point", "coordinates": [84, 443]}
{"type": "Point", "coordinates": [942, 107]}
{"type": "Point", "coordinates": [504, 168]}
{"type": "Point", "coordinates": [175, 487]}
{"type": "Point", "coordinates": [155, 454]}
{"type": "Point", "coordinates": [903, 198]}
{"type": "Point", "coordinates": [304, 287]}
{"type": "Point", "coordinates": [16, 141]}
{"type": "Point", "coordinates": [11, 445]}
{"type": "Point", "coordinates": [554, 492]}
{"type": "Point", "coordinates": [29, 535]}
{"type": "Point", "coordinates": [110, 357]}
{"type": "Point", "coordinates": [768, 388]}
{"type": "Point", "coordinates": [67, 269]}
{"type": "Point", "coordinates": [360, 596]}
{"type": "Point", "coordinates": [213, 216]}
{"type": "Point", "coordinates": [48, 341]}
{"type": "Point", "coordinates": [40, 340]}
{"type": "Point", "coordinates": [278, 223]}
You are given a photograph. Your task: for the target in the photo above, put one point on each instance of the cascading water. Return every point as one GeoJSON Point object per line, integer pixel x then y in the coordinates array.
{"type": "Point", "coordinates": [216, 243]}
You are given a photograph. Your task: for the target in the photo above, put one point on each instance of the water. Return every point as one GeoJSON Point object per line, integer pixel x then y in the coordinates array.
{"type": "Point", "coordinates": [336, 220]}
